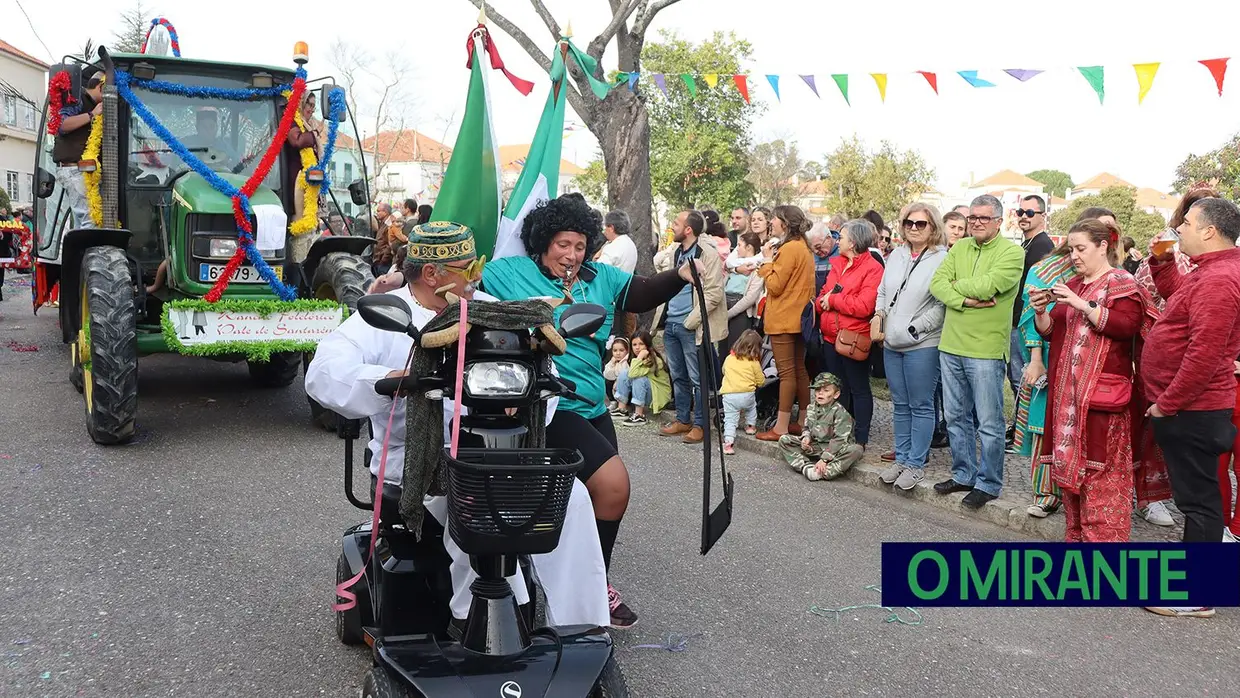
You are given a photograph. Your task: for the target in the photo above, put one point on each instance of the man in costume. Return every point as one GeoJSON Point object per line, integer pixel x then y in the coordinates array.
{"type": "Point", "coordinates": [826, 449]}
{"type": "Point", "coordinates": [441, 259]}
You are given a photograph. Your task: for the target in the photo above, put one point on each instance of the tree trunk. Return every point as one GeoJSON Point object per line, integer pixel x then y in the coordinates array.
{"type": "Point", "coordinates": [623, 130]}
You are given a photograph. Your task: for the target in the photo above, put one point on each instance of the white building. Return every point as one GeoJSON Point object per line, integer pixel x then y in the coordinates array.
{"type": "Point", "coordinates": [1148, 200]}
{"type": "Point", "coordinates": [512, 161]}
{"type": "Point", "coordinates": [23, 86]}
{"type": "Point", "coordinates": [410, 165]}
{"type": "Point", "coordinates": [346, 166]}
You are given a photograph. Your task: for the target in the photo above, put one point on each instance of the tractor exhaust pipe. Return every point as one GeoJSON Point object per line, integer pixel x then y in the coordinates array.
{"type": "Point", "coordinates": [109, 185]}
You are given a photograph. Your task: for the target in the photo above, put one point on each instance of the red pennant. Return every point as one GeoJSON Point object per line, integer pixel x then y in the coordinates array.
{"type": "Point", "coordinates": [741, 87]}
{"type": "Point", "coordinates": [1217, 68]}
{"type": "Point", "coordinates": [932, 79]}
{"type": "Point", "coordinates": [525, 87]}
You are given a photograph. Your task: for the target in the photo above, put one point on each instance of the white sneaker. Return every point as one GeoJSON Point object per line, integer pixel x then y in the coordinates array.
{"type": "Point", "coordinates": [891, 473]}
{"type": "Point", "coordinates": [1229, 537]}
{"type": "Point", "coordinates": [1182, 611]}
{"type": "Point", "coordinates": [1158, 515]}
{"type": "Point", "coordinates": [811, 473]}
{"type": "Point", "coordinates": [909, 478]}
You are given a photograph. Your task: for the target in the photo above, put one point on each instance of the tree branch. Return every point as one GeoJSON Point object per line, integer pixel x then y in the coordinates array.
{"type": "Point", "coordinates": [519, 36]}
{"type": "Point", "coordinates": [623, 9]}
{"type": "Point", "coordinates": [643, 22]}
{"type": "Point", "coordinates": [547, 19]}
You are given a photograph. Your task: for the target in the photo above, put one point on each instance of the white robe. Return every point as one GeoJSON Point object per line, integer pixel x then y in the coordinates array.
{"type": "Point", "coordinates": [342, 378]}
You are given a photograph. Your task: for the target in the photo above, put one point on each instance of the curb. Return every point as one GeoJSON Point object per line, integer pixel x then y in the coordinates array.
{"type": "Point", "coordinates": [1000, 512]}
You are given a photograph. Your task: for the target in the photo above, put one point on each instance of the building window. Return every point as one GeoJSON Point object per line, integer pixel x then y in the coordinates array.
{"type": "Point", "coordinates": [10, 185]}
{"type": "Point", "coordinates": [394, 182]}
{"type": "Point", "coordinates": [29, 188]}
{"type": "Point", "coordinates": [10, 110]}
{"type": "Point", "coordinates": [28, 116]}
{"type": "Point", "coordinates": [333, 170]}
{"type": "Point", "coordinates": [348, 172]}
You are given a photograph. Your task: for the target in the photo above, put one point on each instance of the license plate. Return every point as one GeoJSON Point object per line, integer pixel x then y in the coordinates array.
{"type": "Point", "coordinates": [243, 275]}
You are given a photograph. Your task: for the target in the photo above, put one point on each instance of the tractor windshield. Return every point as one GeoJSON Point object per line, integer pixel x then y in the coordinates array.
{"type": "Point", "coordinates": [228, 136]}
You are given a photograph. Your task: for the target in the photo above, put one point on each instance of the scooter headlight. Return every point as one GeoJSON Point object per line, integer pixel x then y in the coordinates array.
{"type": "Point", "coordinates": [492, 379]}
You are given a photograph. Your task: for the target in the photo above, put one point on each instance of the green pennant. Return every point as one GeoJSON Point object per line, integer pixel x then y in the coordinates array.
{"type": "Point", "coordinates": [1093, 74]}
{"type": "Point", "coordinates": [689, 83]}
{"type": "Point", "coordinates": [841, 81]}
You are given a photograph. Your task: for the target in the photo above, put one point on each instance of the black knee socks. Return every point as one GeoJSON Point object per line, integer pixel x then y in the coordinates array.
{"type": "Point", "coordinates": [607, 532]}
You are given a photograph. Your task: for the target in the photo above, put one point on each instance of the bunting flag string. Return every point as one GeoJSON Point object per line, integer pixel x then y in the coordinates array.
{"type": "Point", "coordinates": [1094, 76]}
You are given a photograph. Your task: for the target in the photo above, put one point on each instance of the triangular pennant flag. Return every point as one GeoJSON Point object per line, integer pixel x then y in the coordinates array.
{"type": "Point", "coordinates": [932, 79]}
{"type": "Point", "coordinates": [1218, 69]}
{"type": "Point", "coordinates": [1145, 78]}
{"type": "Point", "coordinates": [470, 191]}
{"type": "Point", "coordinates": [841, 81]}
{"type": "Point", "coordinates": [1020, 73]}
{"type": "Point", "coordinates": [809, 80]}
{"type": "Point", "coordinates": [1094, 76]}
{"type": "Point", "coordinates": [774, 80]}
{"type": "Point", "coordinates": [633, 80]}
{"type": "Point", "coordinates": [540, 168]}
{"type": "Point", "coordinates": [661, 82]}
{"type": "Point", "coordinates": [741, 87]}
{"type": "Point", "coordinates": [588, 66]}
{"type": "Point", "coordinates": [970, 76]}
{"type": "Point", "coordinates": [689, 83]}
{"type": "Point", "coordinates": [712, 79]}
{"type": "Point", "coordinates": [880, 79]}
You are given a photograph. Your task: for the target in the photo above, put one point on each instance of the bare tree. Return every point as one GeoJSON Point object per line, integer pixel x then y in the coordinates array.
{"type": "Point", "coordinates": [133, 26]}
{"type": "Point", "coordinates": [620, 121]}
{"type": "Point", "coordinates": [376, 96]}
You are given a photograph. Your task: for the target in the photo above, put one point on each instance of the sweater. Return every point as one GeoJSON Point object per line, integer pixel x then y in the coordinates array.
{"type": "Point", "coordinates": [741, 375]}
{"type": "Point", "coordinates": [1187, 360]}
{"type": "Point", "coordinates": [982, 272]}
{"type": "Point", "coordinates": [660, 382]}
{"type": "Point", "coordinates": [914, 317]}
{"type": "Point", "coordinates": [789, 286]}
{"type": "Point", "coordinates": [853, 307]}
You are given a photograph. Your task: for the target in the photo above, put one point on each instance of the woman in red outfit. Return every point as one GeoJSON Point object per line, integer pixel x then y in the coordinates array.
{"type": "Point", "coordinates": [847, 306]}
{"type": "Point", "coordinates": [1097, 316]}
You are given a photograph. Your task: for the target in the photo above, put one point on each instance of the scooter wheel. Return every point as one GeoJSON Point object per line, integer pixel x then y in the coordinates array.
{"type": "Point", "coordinates": [381, 684]}
{"type": "Point", "coordinates": [348, 623]}
{"type": "Point", "coordinates": [610, 683]}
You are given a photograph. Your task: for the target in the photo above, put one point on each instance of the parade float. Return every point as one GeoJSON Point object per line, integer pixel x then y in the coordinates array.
{"type": "Point", "coordinates": [193, 219]}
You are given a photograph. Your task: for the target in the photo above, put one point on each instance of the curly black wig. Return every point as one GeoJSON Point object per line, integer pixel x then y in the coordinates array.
{"type": "Point", "coordinates": [568, 212]}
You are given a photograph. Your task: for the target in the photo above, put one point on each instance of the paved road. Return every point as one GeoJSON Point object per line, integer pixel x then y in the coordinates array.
{"type": "Point", "coordinates": [198, 562]}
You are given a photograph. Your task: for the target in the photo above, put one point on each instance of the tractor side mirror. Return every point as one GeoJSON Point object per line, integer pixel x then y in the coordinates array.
{"type": "Point", "coordinates": [357, 192]}
{"type": "Point", "coordinates": [45, 183]}
{"type": "Point", "coordinates": [325, 105]}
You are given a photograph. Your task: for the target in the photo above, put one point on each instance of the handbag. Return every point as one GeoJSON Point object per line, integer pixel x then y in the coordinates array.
{"type": "Point", "coordinates": [1112, 393]}
{"type": "Point", "coordinates": [853, 345]}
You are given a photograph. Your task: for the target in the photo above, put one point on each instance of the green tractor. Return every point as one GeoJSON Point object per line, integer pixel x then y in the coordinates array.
{"type": "Point", "coordinates": [135, 285]}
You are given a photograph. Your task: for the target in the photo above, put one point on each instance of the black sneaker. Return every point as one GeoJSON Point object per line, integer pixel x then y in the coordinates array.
{"type": "Point", "coordinates": [949, 486]}
{"type": "Point", "coordinates": [622, 617]}
{"type": "Point", "coordinates": [634, 420]}
{"type": "Point", "coordinates": [977, 499]}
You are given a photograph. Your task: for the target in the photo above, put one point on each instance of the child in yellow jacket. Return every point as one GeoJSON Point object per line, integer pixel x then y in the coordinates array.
{"type": "Point", "coordinates": [742, 376]}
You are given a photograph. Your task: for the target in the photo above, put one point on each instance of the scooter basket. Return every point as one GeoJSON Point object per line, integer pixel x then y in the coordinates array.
{"type": "Point", "coordinates": [509, 501]}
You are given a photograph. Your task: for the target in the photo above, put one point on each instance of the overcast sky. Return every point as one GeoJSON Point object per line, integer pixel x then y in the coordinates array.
{"type": "Point", "coordinates": [1052, 121]}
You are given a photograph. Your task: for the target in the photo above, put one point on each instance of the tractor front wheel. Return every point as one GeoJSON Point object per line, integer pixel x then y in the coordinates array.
{"type": "Point", "coordinates": [107, 346]}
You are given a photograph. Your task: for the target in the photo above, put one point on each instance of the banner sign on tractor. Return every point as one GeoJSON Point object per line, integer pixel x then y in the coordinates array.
{"type": "Point", "coordinates": [255, 329]}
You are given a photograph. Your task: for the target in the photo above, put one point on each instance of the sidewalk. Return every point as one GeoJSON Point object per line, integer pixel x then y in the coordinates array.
{"type": "Point", "coordinates": [1007, 511]}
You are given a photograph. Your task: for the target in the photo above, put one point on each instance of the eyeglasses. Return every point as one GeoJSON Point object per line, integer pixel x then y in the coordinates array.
{"type": "Point", "coordinates": [914, 225]}
{"type": "Point", "coordinates": [471, 271]}
{"type": "Point", "coordinates": [1027, 212]}
{"type": "Point", "coordinates": [980, 220]}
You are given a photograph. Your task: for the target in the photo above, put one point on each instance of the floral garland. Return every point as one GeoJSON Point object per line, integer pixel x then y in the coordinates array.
{"type": "Point", "coordinates": [172, 33]}
{"type": "Point", "coordinates": [310, 208]}
{"type": "Point", "coordinates": [57, 93]}
{"type": "Point", "coordinates": [240, 197]}
{"type": "Point", "coordinates": [92, 151]}
{"type": "Point", "coordinates": [252, 350]}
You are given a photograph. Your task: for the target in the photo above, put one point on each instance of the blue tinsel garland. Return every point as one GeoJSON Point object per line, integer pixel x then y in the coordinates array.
{"type": "Point", "coordinates": [217, 183]}
{"type": "Point", "coordinates": [335, 100]}
{"type": "Point", "coordinates": [235, 94]}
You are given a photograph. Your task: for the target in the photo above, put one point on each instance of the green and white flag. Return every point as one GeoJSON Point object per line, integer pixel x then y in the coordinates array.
{"type": "Point", "coordinates": [471, 189]}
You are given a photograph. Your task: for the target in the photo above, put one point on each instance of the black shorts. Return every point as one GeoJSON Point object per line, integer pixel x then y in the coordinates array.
{"type": "Point", "coordinates": [595, 438]}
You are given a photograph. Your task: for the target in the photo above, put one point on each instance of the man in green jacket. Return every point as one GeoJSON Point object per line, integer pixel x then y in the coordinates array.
{"type": "Point", "coordinates": [978, 282]}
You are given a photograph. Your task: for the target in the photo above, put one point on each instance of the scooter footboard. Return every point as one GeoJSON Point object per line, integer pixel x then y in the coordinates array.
{"type": "Point", "coordinates": [567, 668]}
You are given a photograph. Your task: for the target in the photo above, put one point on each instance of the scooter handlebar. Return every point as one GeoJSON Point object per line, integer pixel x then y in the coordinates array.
{"type": "Point", "coordinates": [391, 386]}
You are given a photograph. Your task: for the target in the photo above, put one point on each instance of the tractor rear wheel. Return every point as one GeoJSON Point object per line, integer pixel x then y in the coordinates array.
{"type": "Point", "coordinates": [277, 372]}
{"type": "Point", "coordinates": [344, 278]}
{"type": "Point", "coordinates": [107, 346]}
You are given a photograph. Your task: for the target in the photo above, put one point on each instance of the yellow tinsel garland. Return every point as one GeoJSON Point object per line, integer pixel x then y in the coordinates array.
{"type": "Point", "coordinates": [308, 222]}
{"type": "Point", "coordinates": [93, 150]}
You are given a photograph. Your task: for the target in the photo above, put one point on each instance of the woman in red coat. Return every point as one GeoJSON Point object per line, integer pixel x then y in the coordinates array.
{"type": "Point", "coordinates": [846, 307]}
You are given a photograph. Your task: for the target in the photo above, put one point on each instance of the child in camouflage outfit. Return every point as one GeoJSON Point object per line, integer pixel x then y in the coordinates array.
{"type": "Point", "coordinates": [825, 449]}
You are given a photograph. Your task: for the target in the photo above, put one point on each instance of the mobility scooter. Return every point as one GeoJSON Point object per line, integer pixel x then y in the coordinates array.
{"type": "Point", "coordinates": [506, 501]}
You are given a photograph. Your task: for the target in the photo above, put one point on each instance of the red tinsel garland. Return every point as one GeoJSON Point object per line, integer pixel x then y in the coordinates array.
{"type": "Point", "coordinates": [57, 90]}
{"type": "Point", "coordinates": [246, 234]}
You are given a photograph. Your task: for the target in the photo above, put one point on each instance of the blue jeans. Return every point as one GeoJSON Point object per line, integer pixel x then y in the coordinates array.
{"type": "Point", "coordinates": [968, 385]}
{"type": "Point", "coordinates": [1016, 362]}
{"type": "Point", "coordinates": [738, 407]}
{"type": "Point", "coordinates": [636, 388]}
{"type": "Point", "coordinates": [681, 351]}
{"type": "Point", "coordinates": [913, 377]}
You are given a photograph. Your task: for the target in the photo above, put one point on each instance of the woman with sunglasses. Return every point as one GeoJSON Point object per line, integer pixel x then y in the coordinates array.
{"type": "Point", "coordinates": [560, 237]}
{"type": "Point", "coordinates": [909, 322]}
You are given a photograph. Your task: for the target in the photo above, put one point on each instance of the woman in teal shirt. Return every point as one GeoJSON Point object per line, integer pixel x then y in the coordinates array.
{"type": "Point", "coordinates": [560, 236]}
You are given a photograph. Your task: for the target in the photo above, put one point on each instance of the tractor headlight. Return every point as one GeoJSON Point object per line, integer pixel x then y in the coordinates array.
{"type": "Point", "coordinates": [497, 379]}
{"type": "Point", "coordinates": [221, 247]}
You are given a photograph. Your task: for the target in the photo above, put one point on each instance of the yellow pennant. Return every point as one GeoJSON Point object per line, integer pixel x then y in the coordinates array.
{"type": "Point", "coordinates": [1145, 78]}
{"type": "Point", "coordinates": [880, 79]}
{"type": "Point", "coordinates": [712, 79]}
